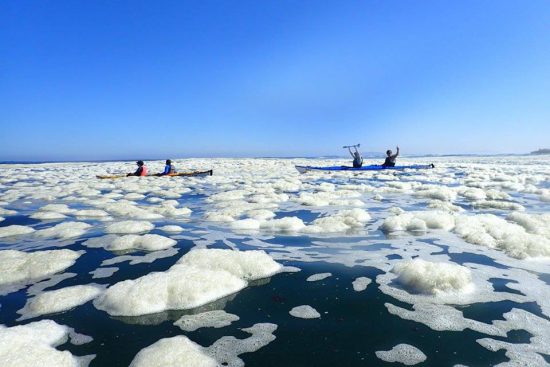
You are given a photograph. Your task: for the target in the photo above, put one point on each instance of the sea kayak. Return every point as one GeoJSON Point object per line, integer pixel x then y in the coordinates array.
{"type": "Point", "coordinates": [374, 167]}
{"type": "Point", "coordinates": [178, 174]}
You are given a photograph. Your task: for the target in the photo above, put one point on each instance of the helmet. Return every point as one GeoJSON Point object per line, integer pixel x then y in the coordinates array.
{"type": "Point", "coordinates": [168, 161]}
{"type": "Point", "coordinates": [140, 163]}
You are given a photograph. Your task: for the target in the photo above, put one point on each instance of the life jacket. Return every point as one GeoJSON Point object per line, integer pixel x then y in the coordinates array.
{"type": "Point", "coordinates": [143, 171]}
{"type": "Point", "coordinates": [172, 169]}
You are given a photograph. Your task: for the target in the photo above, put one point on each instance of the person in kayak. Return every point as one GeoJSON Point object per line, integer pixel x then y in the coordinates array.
{"type": "Point", "coordinates": [390, 158]}
{"type": "Point", "coordinates": [141, 170]}
{"type": "Point", "coordinates": [168, 168]}
{"type": "Point", "coordinates": [357, 159]}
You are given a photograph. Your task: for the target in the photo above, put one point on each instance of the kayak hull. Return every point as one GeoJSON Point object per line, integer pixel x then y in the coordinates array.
{"type": "Point", "coordinates": [179, 174]}
{"type": "Point", "coordinates": [374, 167]}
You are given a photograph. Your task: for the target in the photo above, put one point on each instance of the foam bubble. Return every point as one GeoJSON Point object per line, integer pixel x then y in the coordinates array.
{"type": "Point", "coordinates": [317, 277]}
{"type": "Point", "coordinates": [64, 230]}
{"type": "Point", "coordinates": [361, 283]}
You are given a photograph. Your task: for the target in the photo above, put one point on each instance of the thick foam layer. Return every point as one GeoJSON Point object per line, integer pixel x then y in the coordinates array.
{"type": "Point", "coordinates": [429, 277]}
{"type": "Point", "coordinates": [130, 226]}
{"type": "Point", "coordinates": [21, 268]}
{"type": "Point", "coordinates": [34, 345]}
{"type": "Point", "coordinates": [15, 230]}
{"type": "Point", "coordinates": [147, 242]}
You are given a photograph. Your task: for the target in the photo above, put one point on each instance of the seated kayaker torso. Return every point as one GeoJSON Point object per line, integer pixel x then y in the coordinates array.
{"type": "Point", "coordinates": [357, 159]}
{"type": "Point", "coordinates": [168, 168]}
{"type": "Point", "coordinates": [141, 170]}
{"type": "Point", "coordinates": [390, 158]}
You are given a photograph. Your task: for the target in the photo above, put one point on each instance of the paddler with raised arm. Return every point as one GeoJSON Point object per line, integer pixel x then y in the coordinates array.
{"type": "Point", "coordinates": [390, 158]}
{"type": "Point", "coordinates": [357, 159]}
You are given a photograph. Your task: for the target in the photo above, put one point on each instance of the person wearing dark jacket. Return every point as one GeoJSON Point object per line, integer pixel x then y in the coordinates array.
{"type": "Point", "coordinates": [141, 170]}
{"type": "Point", "coordinates": [390, 158]}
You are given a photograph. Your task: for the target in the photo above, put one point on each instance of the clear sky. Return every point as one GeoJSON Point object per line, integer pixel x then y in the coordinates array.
{"type": "Point", "coordinates": [132, 79]}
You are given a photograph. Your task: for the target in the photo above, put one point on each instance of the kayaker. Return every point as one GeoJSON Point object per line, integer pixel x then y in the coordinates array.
{"type": "Point", "coordinates": [168, 168]}
{"type": "Point", "coordinates": [357, 159]}
{"type": "Point", "coordinates": [141, 170]}
{"type": "Point", "coordinates": [390, 158]}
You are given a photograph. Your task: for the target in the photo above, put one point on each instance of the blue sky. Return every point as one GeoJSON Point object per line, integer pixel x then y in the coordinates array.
{"type": "Point", "coordinates": [133, 79]}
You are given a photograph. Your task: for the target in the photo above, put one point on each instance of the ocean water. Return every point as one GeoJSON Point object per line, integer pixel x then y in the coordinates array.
{"type": "Point", "coordinates": [441, 267]}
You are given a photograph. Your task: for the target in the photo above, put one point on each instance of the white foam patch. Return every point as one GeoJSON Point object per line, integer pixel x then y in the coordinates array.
{"type": "Point", "coordinates": [147, 242]}
{"type": "Point", "coordinates": [103, 272]}
{"type": "Point", "coordinates": [419, 221]}
{"type": "Point", "coordinates": [342, 221]}
{"type": "Point", "coordinates": [317, 277]}
{"type": "Point", "coordinates": [15, 230]}
{"type": "Point", "coordinates": [286, 224]}
{"type": "Point", "coordinates": [200, 277]}
{"type": "Point", "coordinates": [22, 268]}
{"type": "Point", "coordinates": [402, 353]}
{"type": "Point", "coordinates": [361, 283]}
{"type": "Point", "coordinates": [64, 230]}
{"type": "Point", "coordinates": [305, 312]}
{"type": "Point", "coordinates": [433, 277]}
{"type": "Point", "coordinates": [215, 319]}
{"type": "Point", "coordinates": [178, 351]}
{"type": "Point", "coordinates": [91, 213]}
{"type": "Point", "coordinates": [59, 300]}
{"type": "Point", "coordinates": [522, 354]}
{"type": "Point", "coordinates": [171, 229]}
{"type": "Point", "coordinates": [247, 265]}
{"type": "Point", "coordinates": [494, 232]}
{"type": "Point", "coordinates": [47, 215]}
{"type": "Point", "coordinates": [34, 345]}
{"type": "Point", "coordinates": [57, 208]}
{"type": "Point", "coordinates": [130, 226]}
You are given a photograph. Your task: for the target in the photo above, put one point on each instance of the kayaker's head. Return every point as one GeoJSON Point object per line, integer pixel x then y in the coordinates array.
{"type": "Point", "coordinates": [388, 152]}
{"type": "Point", "coordinates": [140, 163]}
{"type": "Point", "coordinates": [168, 162]}
{"type": "Point", "coordinates": [357, 155]}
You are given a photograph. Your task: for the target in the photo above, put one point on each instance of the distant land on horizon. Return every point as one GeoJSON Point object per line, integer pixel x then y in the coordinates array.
{"type": "Point", "coordinates": [370, 155]}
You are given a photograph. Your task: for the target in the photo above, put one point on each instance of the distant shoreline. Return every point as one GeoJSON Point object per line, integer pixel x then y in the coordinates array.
{"type": "Point", "coordinates": [366, 155]}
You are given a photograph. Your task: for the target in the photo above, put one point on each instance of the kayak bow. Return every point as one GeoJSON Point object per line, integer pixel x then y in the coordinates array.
{"type": "Point", "coordinates": [179, 174]}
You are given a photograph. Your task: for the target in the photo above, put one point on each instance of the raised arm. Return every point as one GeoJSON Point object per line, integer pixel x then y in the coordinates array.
{"type": "Point", "coordinates": [350, 152]}
{"type": "Point", "coordinates": [396, 152]}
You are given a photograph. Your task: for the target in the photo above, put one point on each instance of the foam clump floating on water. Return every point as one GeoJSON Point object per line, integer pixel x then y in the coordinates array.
{"type": "Point", "coordinates": [200, 277]}
{"type": "Point", "coordinates": [130, 226]}
{"type": "Point", "coordinates": [64, 230]}
{"type": "Point", "coordinates": [305, 312]}
{"type": "Point", "coordinates": [171, 229]}
{"type": "Point", "coordinates": [317, 277]}
{"type": "Point", "coordinates": [286, 224]}
{"type": "Point", "coordinates": [215, 319]}
{"type": "Point", "coordinates": [361, 283]}
{"type": "Point", "coordinates": [178, 351]}
{"type": "Point", "coordinates": [419, 221]}
{"type": "Point", "coordinates": [247, 265]}
{"type": "Point", "coordinates": [433, 277]}
{"type": "Point", "coordinates": [46, 215]}
{"type": "Point", "coordinates": [27, 267]}
{"type": "Point", "coordinates": [339, 222]}
{"type": "Point", "coordinates": [57, 208]}
{"type": "Point", "coordinates": [147, 242]}
{"type": "Point", "coordinates": [15, 230]}
{"type": "Point", "coordinates": [495, 232]}
{"type": "Point", "coordinates": [402, 353]}
{"type": "Point", "coordinates": [34, 345]}
{"type": "Point", "coordinates": [59, 300]}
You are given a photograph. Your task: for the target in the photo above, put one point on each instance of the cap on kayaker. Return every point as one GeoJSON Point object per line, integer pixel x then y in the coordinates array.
{"type": "Point", "coordinates": [140, 163]}
{"type": "Point", "coordinates": [168, 161]}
